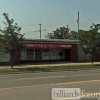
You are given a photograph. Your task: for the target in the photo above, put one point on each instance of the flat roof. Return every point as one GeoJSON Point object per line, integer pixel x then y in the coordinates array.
{"type": "Point", "coordinates": [52, 40]}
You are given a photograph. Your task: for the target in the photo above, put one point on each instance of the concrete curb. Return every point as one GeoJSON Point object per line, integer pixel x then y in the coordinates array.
{"type": "Point", "coordinates": [47, 65]}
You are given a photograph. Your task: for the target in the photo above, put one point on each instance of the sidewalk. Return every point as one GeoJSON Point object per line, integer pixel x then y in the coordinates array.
{"type": "Point", "coordinates": [48, 64]}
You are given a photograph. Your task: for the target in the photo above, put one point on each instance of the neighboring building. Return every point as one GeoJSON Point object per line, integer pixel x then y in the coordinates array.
{"type": "Point", "coordinates": [49, 50]}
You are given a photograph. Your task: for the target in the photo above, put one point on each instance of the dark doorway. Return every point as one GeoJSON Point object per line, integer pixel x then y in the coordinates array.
{"type": "Point", "coordinates": [38, 54]}
{"type": "Point", "coordinates": [67, 54]}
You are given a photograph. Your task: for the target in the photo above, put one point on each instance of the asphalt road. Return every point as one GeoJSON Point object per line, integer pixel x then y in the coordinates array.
{"type": "Point", "coordinates": [38, 86]}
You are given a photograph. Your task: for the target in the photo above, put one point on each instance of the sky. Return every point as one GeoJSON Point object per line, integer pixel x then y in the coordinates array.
{"type": "Point", "coordinates": [52, 14]}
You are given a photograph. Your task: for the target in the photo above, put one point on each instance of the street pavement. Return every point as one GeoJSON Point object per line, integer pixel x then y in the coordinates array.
{"type": "Point", "coordinates": [38, 86]}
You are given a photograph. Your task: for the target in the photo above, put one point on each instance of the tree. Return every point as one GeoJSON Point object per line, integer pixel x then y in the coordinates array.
{"type": "Point", "coordinates": [73, 35]}
{"type": "Point", "coordinates": [11, 37]}
{"type": "Point", "coordinates": [90, 40]}
{"type": "Point", "coordinates": [62, 33]}
{"type": "Point", "coordinates": [50, 36]}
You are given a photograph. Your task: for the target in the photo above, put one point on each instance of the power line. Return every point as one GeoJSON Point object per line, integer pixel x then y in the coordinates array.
{"type": "Point", "coordinates": [33, 32]}
{"type": "Point", "coordinates": [29, 25]}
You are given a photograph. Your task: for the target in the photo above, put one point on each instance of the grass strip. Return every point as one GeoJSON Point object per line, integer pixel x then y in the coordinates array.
{"type": "Point", "coordinates": [49, 69]}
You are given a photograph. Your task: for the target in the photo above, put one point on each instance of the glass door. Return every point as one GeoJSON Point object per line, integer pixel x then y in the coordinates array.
{"type": "Point", "coordinates": [38, 54]}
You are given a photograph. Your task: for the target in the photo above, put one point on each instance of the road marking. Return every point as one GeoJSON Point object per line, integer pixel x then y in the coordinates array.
{"type": "Point", "coordinates": [50, 77]}
{"type": "Point", "coordinates": [41, 77]}
{"type": "Point", "coordinates": [32, 86]}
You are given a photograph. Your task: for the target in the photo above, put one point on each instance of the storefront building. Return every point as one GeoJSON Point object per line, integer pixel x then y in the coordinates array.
{"type": "Point", "coordinates": [39, 50]}
{"type": "Point", "coordinates": [43, 50]}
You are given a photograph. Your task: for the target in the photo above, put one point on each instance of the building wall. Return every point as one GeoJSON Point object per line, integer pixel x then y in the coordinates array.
{"type": "Point", "coordinates": [74, 57]}
{"type": "Point", "coordinates": [17, 57]}
{"type": "Point", "coordinates": [4, 57]}
{"type": "Point", "coordinates": [23, 54]}
{"type": "Point", "coordinates": [81, 55]}
{"type": "Point", "coordinates": [96, 57]}
{"type": "Point", "coordinates": [77, 54]}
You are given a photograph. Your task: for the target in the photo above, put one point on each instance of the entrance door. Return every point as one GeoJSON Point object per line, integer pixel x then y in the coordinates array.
{"type": "Point", "coordinates": [38, 54]}
{"type": "Point", "coordinates": [67, 54]}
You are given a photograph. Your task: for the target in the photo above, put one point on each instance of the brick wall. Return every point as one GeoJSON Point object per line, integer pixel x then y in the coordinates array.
{"type": "Point", "coordinates": [17, 57]}
{"type": "Point", "coordinates": [96, 57]}
{"type": "Point", "coordinates": [74, 57]}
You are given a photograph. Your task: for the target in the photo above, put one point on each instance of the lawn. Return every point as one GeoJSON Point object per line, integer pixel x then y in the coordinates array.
{"type": "Point", "coordinates": [50, 69]}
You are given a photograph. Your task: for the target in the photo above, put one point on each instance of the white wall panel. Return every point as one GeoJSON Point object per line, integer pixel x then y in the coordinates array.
{"type": "Point", "coordinates": [81, 55]}
{"type": "Point", "coordinates": [4, 57]}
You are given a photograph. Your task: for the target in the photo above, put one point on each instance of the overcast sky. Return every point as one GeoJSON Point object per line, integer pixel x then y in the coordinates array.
{"type": "Point", "coordinates": [51, 14]}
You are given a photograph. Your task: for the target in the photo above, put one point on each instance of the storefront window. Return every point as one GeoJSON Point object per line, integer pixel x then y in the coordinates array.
{"type": "Point", "coordinates": [54, 54]}
{"type": "Point", "coordinates": [30, 54]}
{"type": "Point", "coordinates": [46, 54]}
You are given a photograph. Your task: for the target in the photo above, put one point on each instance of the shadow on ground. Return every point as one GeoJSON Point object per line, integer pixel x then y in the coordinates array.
{"type": "Point", "coordinates": [33, 69]}
{"type": "Point", "coordinates": [97, 65]}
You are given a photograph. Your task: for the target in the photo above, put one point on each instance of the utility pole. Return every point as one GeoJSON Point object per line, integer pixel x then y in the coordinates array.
{"type": "Point", "coordinates": [78, 24]}
{"type": "Point", "coordinates": [67, 31]}
{"type": "Point", "coordinates": [67, 26]}
{"type": "Point", "coordinates": [40, 31]}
